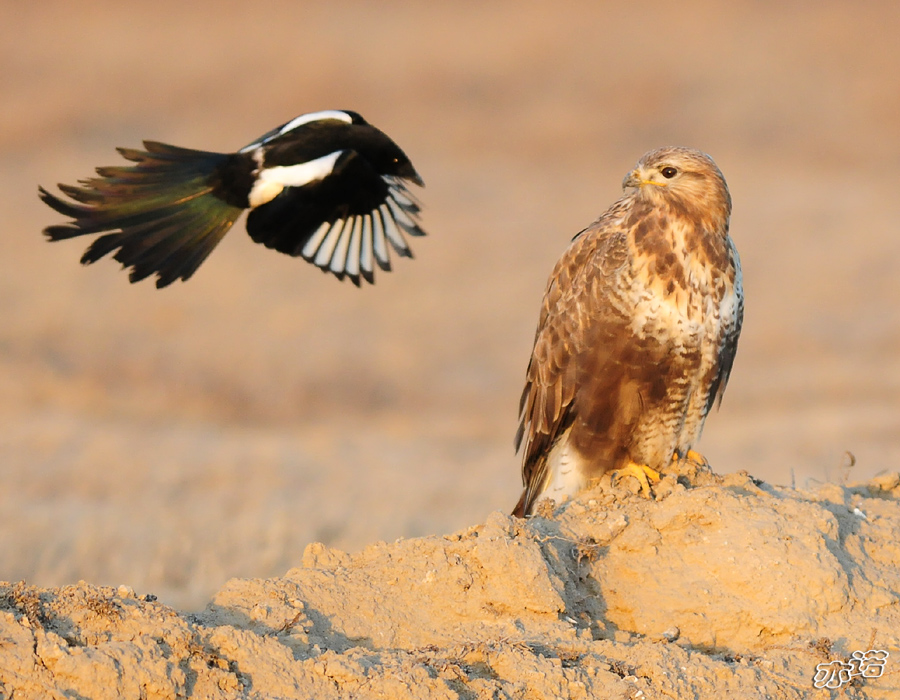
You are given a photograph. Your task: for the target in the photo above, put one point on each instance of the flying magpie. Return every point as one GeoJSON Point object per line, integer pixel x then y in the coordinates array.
{"type": "Point", "coordinates": [326, 186]}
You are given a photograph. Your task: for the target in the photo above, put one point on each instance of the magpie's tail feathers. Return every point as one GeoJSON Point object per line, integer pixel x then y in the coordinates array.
{"type": "Point", "coordinates": [162, 215]}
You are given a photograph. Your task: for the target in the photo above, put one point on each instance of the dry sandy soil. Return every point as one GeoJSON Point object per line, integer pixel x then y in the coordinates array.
{"type": "Point", "coordinates": [169, 441]}
{"type": "Point", "coordinates": [720, 587]}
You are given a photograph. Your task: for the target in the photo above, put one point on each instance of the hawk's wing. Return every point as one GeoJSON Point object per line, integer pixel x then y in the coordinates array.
{"type": "Point", "coordinates": [731, 331]}
{"type": "Point", "coordinates": [577, 306]}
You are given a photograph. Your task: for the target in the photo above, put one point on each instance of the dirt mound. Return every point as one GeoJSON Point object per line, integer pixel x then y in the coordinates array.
{"type": "Point", "coordinates": [720, 587]}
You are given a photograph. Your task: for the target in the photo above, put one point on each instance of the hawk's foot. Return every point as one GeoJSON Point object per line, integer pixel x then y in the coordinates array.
{"type": "Point", "coordinates": [692, 457]}
{"type": "Point", "coordinates": [641, 472]}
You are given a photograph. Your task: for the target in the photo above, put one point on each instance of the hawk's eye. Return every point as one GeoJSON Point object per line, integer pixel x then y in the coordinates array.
{"type": "Point", "coordinates": [669, 172]}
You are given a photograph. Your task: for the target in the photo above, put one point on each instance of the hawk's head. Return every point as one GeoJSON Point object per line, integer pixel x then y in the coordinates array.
{"type": "Point", "coordinates": [684, 178]}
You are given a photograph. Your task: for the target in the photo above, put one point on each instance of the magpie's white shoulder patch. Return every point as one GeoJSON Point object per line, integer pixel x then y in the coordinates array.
{"type": "Point", "coordinates": [296, 122]}
{"type": "Point", "coordinates": [271, 181]}
{"type": "Point", "coordinates": [316, 117]}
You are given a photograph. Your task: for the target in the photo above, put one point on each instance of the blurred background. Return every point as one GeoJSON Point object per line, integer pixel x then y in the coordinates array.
{"type": "Point", "coordinates": [170, 440]}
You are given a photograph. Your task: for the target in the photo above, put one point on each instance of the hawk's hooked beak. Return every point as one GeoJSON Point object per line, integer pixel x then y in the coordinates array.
{"type": "Point", "coordinates": [634, 179]}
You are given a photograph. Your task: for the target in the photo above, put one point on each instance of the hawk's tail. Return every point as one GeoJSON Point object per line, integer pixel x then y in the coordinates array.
{"type": "Point", "coordinates": [163, 215]}
{"type": "Point", "coordinates": [523, 507]}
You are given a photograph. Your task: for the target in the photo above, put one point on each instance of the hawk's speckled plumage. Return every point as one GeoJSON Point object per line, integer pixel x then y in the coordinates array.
{"type": "Point", "coordinates": [637, 333]}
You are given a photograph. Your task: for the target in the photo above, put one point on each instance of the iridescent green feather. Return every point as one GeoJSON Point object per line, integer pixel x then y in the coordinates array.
{"type": "Point", "coordinates": [163, 214]}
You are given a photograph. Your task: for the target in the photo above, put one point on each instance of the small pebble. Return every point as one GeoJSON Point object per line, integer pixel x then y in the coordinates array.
{"type": "Point", "coordinates": [671, 634]}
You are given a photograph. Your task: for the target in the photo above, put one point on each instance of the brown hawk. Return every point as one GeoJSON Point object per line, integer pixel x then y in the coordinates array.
{"type": "Point", "coordinates": [637, 333]}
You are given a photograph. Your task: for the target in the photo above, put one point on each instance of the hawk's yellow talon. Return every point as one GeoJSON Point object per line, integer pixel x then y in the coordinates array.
{"type": "Point", "coordinates": [692, 456]}
{"type": "Point", "coordinates": [642, 473]}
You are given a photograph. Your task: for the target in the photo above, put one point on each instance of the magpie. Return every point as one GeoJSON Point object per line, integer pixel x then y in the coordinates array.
{"type": "Point", "coordinates": [326, 186]}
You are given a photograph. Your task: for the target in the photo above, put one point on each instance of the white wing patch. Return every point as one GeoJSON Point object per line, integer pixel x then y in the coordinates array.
{"type": "Point", "coordinates": [331, 114]}
{"type": "Point", "coordinates": [312, 245]}
{"type": "Point", "coordinates": [381, 253]}
{"type": "Point", "coordinates": [404, 198]}
{"type": "Point", "coordinates": [271, 181]}
{"type": "Point", "coordinates": [339, 260]}
{"type": "Point", "coordinates": [365, 255]}
{"type": "Point", "coordinates": [400, 216]}
{"type": "Point", "coordinates": [354, 245]}
{"type": "Point", "coordinates": [353, 251]}
{"type": "Point", "coordinates": [323, 256]}
{"type": "Point", "coordinates": [315, 117]}
{"type": "Point", "coordinates": [392, 232]}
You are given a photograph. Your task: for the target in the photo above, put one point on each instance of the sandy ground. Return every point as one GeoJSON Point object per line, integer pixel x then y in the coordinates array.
{"type": "Point", "coordinates": [692, 595]}
{"type": "Point", "coordinates": [171, 440]}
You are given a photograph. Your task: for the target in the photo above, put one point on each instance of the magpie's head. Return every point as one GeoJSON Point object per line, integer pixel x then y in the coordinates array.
{"type": "Point", "coordinates": [388, 159]}
{"type": "Point", "coordinates": [400, 166]}
{"type": "Point", "coordinates": [380, 150]}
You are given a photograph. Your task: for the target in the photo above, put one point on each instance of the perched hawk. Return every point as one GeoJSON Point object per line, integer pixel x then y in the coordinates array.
{"type": "Point", "coordinates": [637, 332]}
{"type": "Point", "coordinates": [326, 186]}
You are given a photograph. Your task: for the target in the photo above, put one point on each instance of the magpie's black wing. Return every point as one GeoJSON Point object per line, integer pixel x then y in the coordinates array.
{"type": "Point", "coordinates": [343, 222]}
{"type": "Point", "coordinates": [327, 186]}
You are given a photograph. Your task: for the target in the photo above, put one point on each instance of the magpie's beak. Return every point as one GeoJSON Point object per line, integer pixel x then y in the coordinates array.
{"type": "Point", "coordinates": [406, 170]}
{"type": "Point", "coordinates": [416, 178]}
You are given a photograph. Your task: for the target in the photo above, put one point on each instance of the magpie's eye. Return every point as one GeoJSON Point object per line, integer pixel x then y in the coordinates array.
{"type": "Point", "coordinates": [669, 172]}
